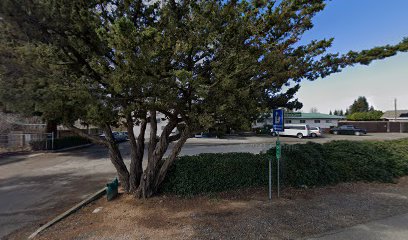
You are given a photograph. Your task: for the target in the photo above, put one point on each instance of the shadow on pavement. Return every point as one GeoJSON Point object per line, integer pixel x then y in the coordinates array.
{"type": "Point", "coordinates": [33, 200]}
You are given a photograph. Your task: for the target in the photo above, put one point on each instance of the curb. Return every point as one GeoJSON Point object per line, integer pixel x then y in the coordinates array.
{"type": "Point", "coordinates": [90, 199]}
{"type": "Point", "coordinates": [19, 158]}
{"type": "Point", "coordinates": [72, 148]}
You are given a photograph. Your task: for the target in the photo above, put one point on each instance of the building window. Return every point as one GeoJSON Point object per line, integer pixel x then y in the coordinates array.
{"type": "Point", "coordinates": [302, 121]}
{"type": "Point", "coordinates": [316, 121]}
{"type": "Point", "coordinates": [328, 121]}
{"type": "Point", "coordinates": [288, 121]}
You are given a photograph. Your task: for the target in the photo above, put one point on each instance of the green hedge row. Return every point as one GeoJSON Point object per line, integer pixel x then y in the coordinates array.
{"type": "Point", "coordinates": [215, 172]}
{"type": "Point", "coordinates": [58, 143]}
{"type": "Point", "coordinates": [309, 164]}
{"type": "Point", "coordinates": [365, 116]}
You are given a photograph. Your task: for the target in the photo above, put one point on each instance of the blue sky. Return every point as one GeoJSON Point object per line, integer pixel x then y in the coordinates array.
{"type": "Point", "coordinates": [357, 25]}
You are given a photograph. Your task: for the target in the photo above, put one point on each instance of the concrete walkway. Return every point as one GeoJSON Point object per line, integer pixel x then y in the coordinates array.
{"type": "Point", "coordinates": [392, 228]}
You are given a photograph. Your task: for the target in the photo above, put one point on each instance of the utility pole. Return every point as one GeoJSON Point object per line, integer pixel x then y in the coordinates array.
{"type": "Point", "coordinates": [395, 109]}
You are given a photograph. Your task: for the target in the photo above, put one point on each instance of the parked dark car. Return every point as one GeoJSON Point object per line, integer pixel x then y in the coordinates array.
{"type": "Point", "coordinates": [118, 136]}
{"type": "Point", "coordinates": [348, 129]}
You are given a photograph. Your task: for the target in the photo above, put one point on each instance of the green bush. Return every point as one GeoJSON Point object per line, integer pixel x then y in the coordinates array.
{"type": "Point", "coordinates": [309, 164]}
{"type": "Point", "coordinates": [216, 172]}
{"type": "Point", "coordinates": [59, 143]}
{"type": "Point", "coordinates": [264, 130]}
{"type": "Point", "coordinates": [365, 116]}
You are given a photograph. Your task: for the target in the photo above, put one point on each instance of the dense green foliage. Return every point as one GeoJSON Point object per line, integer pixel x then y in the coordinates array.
{"type": "Point", "coordinates": [216, 172]}
{"type": "Point", "coordinates": [308, 164]}
{"type": "Point", "coordinates": [266, 129]}
{"type": "Point", "coordinates": [365, 116]}
{"type": "Point", "coordinates": [59, 143]}
{"type": "Point", "coordinates": [360, 110]}
{"type": "Point", "coordinates": [221, 63]}
{"type": "Point", "coordinates": [359, 105]}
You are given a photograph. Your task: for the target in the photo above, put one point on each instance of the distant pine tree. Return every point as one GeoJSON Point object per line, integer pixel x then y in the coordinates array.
{"type": "Point", "coordinates": [359, 105]}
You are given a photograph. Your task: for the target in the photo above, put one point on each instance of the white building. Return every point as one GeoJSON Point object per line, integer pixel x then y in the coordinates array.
{"type": "Point", "coordinates": [396, 116]}
{"type": "Point", "coordinates": [324, 121]}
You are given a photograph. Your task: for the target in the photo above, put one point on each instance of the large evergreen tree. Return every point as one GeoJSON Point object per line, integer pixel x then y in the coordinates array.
{"type": "Point", "coordinates": [200, 63]}
{"type": "Point", "coordinates": [359, 105]}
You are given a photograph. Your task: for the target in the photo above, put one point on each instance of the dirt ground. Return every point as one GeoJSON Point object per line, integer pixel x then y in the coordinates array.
{"type": "Point", "coordinates": [243, 214]}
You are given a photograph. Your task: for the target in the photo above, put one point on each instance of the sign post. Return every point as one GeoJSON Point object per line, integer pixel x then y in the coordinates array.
{"type": "Point", "coordinates": [278, 155]}
{"type": "Point", "coordinates": [278, 126]}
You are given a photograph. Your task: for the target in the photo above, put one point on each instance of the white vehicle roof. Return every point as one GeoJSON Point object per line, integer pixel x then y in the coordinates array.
{"type": "Point", "coordinates": [290, 124]}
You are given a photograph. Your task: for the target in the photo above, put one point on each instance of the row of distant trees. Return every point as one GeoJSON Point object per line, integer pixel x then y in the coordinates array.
{"type": "Point", "coordinates": [360, 110]}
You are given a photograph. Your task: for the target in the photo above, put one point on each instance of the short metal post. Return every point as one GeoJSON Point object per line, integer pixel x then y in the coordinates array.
{"type": "Point", "coordinates": [52, 140]}
{"type": "Point", "coordinates": [46, 141]}
{"type": "Point", "coordinates": [278, 160]}
{"type": "Point", "coordinates": [270, 178]}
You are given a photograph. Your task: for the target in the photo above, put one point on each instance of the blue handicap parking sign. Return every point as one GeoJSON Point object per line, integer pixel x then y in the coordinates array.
{"type": "Point", "coordinates": [278, 120]}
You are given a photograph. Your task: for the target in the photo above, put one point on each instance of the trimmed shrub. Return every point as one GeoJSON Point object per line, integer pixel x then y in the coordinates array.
{"type": "Point", "coordinates": [365, 116]}
{"type": "Point", "coordinates": [216, 172]}
{"type": "Point", "coordinates": [59, 143]}
{"type": "Point", "coordinates": [309, 164]}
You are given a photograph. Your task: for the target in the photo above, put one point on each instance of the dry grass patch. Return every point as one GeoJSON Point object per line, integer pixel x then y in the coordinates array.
{"type": "Point", "coordinates": [241, 214]}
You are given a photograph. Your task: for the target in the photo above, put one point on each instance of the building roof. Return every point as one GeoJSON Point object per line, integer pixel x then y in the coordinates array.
{"type": "Point", "coordinates": [315, 116]}
{"type": "Point", "coordinates": [391, 114]}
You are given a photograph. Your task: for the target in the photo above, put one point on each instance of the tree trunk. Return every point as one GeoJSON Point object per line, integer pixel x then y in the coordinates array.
{"type": "Point", "coordinates": [140, 154]}
{"type": "Point", "coordinates": [94, 139]}
{"type": "Point", "coordinates": [116, 159]}
{"type": "Point", "coordinates": [170, 160]}
{"type": "Point", "coordinates": [153, 134]}
{"type": "Point", "coordinates": [149, 182]}
{"type": "Point", "coordinates": [136, 152]}
{"type": "Point", "coordinates": [121, 169]}
{"type": "Point", "coordinates": [114, 152]}
{"type": "Point", "coordinates": [51, 127]}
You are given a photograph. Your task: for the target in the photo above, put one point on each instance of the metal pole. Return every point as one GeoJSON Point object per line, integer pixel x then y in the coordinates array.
{"type": "Point", "coordinates": [52, 140]}
{"type": "Point", "coordinates": [270, 178]}
{"type": "Point", "coordinates": [278, 158]}
{"type": "Point", "coordinates": [46, 141]}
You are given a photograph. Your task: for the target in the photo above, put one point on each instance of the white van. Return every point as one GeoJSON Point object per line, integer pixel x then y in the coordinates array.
{"type": "Point", "coordinates": [297, 130]}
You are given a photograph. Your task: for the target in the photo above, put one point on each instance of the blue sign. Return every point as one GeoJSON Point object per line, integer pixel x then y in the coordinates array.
{"type": "Point", "coordinates": [278, 120]}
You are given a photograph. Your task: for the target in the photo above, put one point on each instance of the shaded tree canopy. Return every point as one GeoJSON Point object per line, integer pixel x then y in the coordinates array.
{"type": "Point", "coordinates": [200, 63]}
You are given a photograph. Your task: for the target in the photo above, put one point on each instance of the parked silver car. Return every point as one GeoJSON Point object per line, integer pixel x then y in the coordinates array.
{"type": "Point", "coordinates": [315, 132]}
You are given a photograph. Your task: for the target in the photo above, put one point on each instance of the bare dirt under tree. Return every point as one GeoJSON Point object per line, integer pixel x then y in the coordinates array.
{"type": "Point", "coordinates": [244, 214]}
